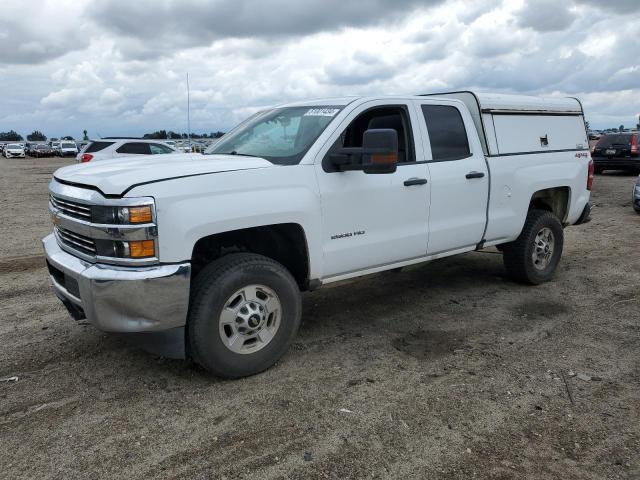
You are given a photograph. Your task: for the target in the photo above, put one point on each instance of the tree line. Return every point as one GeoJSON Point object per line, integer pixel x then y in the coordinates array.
{"type": "Point", "coordinates": [164, 134]}
{"type": "Point", "coordinates": [35, 136]}
{"type": "Point", "coordinates": [38, 136]}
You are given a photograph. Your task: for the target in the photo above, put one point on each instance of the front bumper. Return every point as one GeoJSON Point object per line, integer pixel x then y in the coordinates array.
{"type": "Point", "coordinates": [120, 299]}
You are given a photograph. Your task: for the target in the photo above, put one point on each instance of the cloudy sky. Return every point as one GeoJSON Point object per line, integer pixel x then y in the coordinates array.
{"type": "Point", "coordinates": [118, 67]}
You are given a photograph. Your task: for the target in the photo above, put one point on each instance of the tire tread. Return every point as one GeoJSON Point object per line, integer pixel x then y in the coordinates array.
{"type": "Point", "coordinates": [212, 274]}
{"type": "Point", "coordinates": [515, 253]}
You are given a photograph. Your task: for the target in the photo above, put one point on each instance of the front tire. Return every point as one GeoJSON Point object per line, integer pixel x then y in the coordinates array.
{"type": "Point", "coordinates": [534, 256]}
{"type": "Point", "coordinates": [245, 311]}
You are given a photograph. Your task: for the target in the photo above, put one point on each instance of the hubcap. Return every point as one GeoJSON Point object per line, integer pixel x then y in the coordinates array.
{"type": "Point", "coordinates": [543, 248]}
{"type": "Point", "coordinates": [250, 319]}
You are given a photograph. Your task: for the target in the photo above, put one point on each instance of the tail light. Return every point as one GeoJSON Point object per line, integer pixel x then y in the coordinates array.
{"type": "Point", "coordinates": [590, 175]}
{"type": "Point", "coordinates": [634, 145]}
{"type": "Point", "coordinates": [86, 157]}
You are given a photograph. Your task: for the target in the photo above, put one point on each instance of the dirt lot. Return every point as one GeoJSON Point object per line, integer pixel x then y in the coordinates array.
{"type": "Point", "coordinates": [446, 370]}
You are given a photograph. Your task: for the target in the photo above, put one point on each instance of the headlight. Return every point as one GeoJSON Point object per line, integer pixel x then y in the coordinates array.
{"type": "Point", "coordinates": [122, 215]}
{"type": "Point", "coordinates": [129, 249]}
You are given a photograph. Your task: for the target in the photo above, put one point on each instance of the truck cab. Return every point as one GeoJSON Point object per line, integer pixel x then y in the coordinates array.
{"type": "Point", "coordinates": [207, 255]}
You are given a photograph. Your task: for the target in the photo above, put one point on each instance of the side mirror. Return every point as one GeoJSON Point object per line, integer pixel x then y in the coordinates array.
{"type": "Point", "coordinates": [380, 150]}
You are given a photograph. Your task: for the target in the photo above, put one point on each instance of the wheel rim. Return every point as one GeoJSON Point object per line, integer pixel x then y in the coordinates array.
{"type": "Point", "coordinates": [250, 319]}
{"type": "Point", "coordinates": [543, 247]}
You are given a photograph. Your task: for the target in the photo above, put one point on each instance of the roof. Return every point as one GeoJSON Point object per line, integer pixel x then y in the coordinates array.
{"type": "Point", "coordinates": [498, 101]}
{"type": "Point", "coordinates": [488, 101]}
{"type": "Point", "coordinates": [508, 102]}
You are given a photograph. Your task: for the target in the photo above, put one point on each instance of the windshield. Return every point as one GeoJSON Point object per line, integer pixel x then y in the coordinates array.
{"type": "Point", "coordinates": [280, 135]}
{"type": "Point", "coordinates": [14, 145]}
{"type": "Point", "coordinates": [68, 145]}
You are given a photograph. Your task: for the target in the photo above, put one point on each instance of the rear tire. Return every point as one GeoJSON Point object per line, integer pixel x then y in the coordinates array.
{"type": "Point", "coordinates": [598, 170]}
{"type": "Point", "coordinates": [245, 311]}
{"type": "Point", "coordinates": [533, 257]}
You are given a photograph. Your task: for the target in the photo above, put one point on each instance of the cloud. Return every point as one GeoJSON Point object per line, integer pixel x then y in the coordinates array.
{"type": "Point", "coordinates": [38, 34]}
{"type": "Point", "coordinates": [173, 24]}
{"type": "Point", "coordinates": [623, 7]}
{"type": "Point", "coordinates": [546, 15]}
{"type": "Point", "coordinates": [119, 67]}
{"type": "Point", "coordinates": [360, 68]}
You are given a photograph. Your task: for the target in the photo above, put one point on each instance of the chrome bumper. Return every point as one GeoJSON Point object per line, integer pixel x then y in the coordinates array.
{"type": "Point", "coordinates": [121, 299]}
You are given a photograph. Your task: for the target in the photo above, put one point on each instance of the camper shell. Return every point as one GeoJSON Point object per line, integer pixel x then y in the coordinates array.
{"type": "Point", "coordinates": [520, 124]}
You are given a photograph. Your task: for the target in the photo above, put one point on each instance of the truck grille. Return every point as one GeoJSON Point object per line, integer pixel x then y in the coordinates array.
{"type": "Point", "coordinates": [92, 227]}
{"type": "Point", "coordinates": [71, 208]}
{"type": "Point", "coordinates": [76, 241]}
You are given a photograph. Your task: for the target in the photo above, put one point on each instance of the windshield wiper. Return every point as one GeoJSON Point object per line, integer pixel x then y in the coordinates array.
{"type": "Point", "coordinates": [233, 152]}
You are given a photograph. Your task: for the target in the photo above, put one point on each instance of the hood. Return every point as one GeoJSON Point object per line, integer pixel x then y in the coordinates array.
{"type": "Point", "coordinates": [113, 177]}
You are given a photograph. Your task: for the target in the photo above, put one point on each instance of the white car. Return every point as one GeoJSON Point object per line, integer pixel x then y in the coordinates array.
{"type": "Point", "coordinates": [67, 148]}
{"type": "Point", "coordinates": [109, 148]}
{"type": "Point", "coordinates": [14, 150]}
{"type": "Point", "coordinates": [208, 254]}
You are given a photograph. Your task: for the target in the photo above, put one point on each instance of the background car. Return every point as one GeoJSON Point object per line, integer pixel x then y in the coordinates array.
{"type": "Point", "coordinates": [106, 148]}
{"type": "Point", "coordinates": [40, 150]}
{"type": "Point", "coordinates": [14, 150]}
{"type": "Point", "coordinates": [616, 151]}
{"type": "Point", "coordinates": [67, 148]}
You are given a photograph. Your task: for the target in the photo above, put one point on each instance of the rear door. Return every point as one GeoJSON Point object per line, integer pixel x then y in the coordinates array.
{"type": "Point", "coordinates": [614, 146]}
{"type": "Point", "coordinates": [459, 176]}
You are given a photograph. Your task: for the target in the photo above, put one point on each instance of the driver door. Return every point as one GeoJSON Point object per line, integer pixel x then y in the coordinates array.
{"type": "Point", "coordinates": [374, 220]}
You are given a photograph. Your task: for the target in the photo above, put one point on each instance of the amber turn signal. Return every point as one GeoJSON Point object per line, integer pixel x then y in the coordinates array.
{"type": "Point", "coordinates": [140, 214]}
{"type": "Point", "coordinates": [142, 248]}
{"type": "Point", "coordinates": [384, 158]}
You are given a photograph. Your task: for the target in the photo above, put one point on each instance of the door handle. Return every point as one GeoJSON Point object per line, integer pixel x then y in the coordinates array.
{"type": "Point", "coordinates": [475, 175]}
{"type": "Point", "coordinates": [415, 181]}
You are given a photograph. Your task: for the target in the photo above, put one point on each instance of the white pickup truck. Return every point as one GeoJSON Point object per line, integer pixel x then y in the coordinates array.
{"type": "Point", "coordinates": [205, 256]}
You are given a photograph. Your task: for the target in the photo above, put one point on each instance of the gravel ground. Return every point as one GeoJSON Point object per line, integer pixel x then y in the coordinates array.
{"type": "Point", "coordinates": [447, 370]}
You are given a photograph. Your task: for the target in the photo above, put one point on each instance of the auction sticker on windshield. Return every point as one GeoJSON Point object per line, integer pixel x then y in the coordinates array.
{"type": "Point", "coordinates": [321, 112]}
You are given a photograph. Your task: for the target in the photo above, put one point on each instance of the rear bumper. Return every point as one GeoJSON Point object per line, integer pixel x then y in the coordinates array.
{"type": "Point", "coordinates": [121, 299]}
{"type": "Point", "coordinates": [616, 162]}
{"type": "Point", "coordinates": [585, 216]}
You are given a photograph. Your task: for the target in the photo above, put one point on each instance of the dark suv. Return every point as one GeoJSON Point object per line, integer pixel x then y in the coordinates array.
{"type": "Point", "coordinates": [616, 151]}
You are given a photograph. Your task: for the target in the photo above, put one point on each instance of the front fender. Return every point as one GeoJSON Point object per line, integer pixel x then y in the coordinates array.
{"type": "Point", "coordinates": [191, 208]}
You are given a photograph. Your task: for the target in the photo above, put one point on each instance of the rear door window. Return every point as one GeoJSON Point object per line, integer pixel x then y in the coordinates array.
{"type": "Point", "coordinates": [97, 146]}
{"type": "Point", "coordinates": [134, 148]}
{"type": "Point", "coordinates": [447, 133]}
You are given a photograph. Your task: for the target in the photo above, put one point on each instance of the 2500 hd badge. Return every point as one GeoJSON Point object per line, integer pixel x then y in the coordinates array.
{"type": "Point", "coordinates": [348, 234]}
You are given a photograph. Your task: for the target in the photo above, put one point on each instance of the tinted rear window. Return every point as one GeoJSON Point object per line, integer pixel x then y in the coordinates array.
{"type": "Point", "coordinates": [136, 148]}
{"type": "Point", "coordinates": [97, 146]}
{"type": "Point", "coordinates": [618, 139]}
{"type": "Point", "coordinates": [447, 134]}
